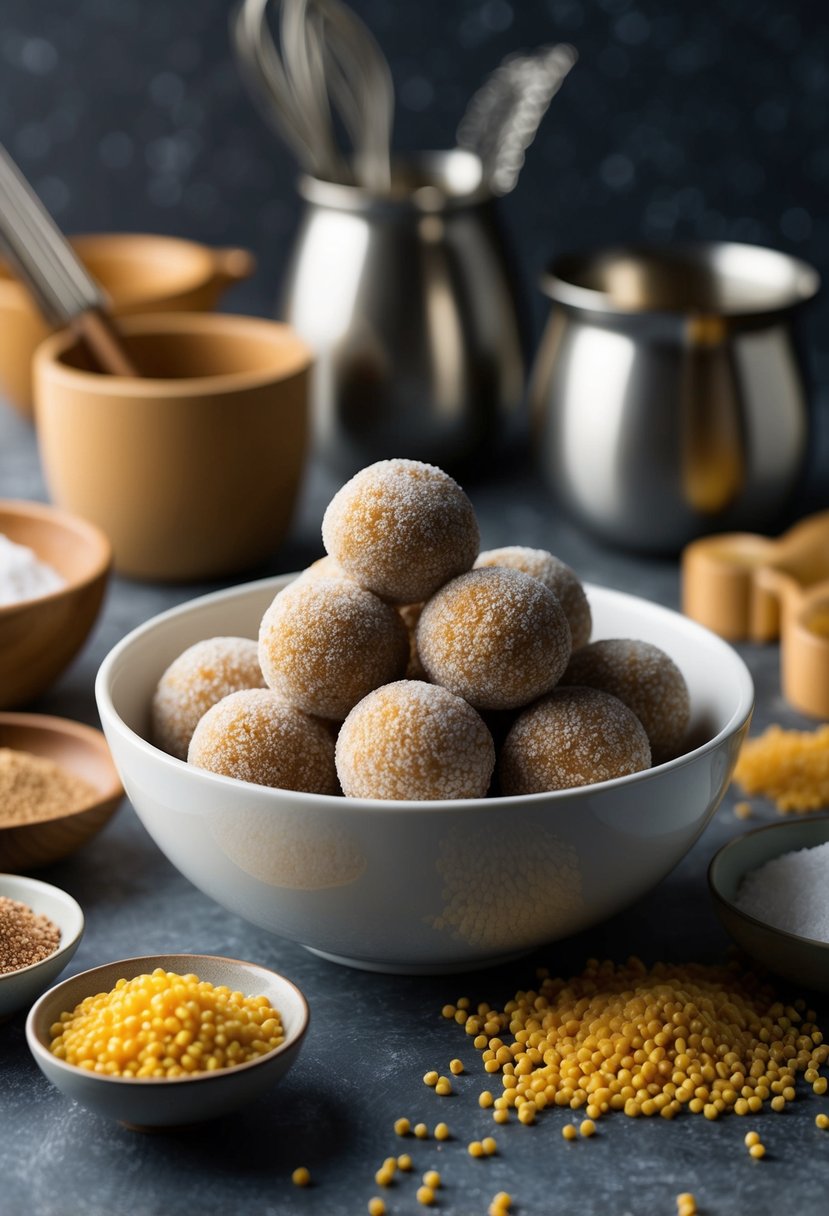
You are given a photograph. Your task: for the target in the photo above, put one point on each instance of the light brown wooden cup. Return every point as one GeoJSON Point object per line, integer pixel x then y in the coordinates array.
{"type": "Point", "coordinates": [39, 637]}
{"type": "Point", "coordinates": [139, 272]}
{"type": "Point", "coordinates": [193, 469]}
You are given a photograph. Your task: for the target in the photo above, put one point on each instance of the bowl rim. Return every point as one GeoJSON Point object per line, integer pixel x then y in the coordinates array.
{"type": "Point", "coordinates": [74, 909]}
{"type": "Point", "coordinates": [754, 921]}
{"type": "Point", "coordinates": [48, 358]}
{"type": "Point", "coordinates": [97, 541]}
{"type": "Point", "coordinates": [738, 720]}
{"type": "Point", "coordinates": [40, 1049]}
{"type": "Point", "coordinates": [89, 736]}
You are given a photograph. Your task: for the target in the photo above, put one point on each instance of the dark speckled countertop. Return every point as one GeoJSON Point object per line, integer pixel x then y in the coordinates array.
{"type": "Point", "coordinates": [681, 121]}
{"type": "Point", "coordinates": [373, 1036]}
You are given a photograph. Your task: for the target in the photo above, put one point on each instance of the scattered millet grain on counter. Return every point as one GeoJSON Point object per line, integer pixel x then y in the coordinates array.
{"type": "Point", "coordinates": [441, 1131]}
{"type": "Point", "coordinates": [25, 936]}
{"type": "Point", "coordinates": [789, 766]}
{"type": "Point", "coordinates": [193, 1027]}
{"type": "Point", "coordinates": [404, 1163]}
{"type": "Point", "coordinates": [376, 1206]}
{"type": "Point", "coordinates": [648, 1041]}
{"type": "Point", "coordinates": [402, 1127]}
{"type": "Point", "coordinates": [301, 1176]}
{"type": "Point", "coordinates": [34, 788]}
{"type": "Point", "coordinates": [822, 1121]}
{"type": "Point", "coordinates": [686, 1204]}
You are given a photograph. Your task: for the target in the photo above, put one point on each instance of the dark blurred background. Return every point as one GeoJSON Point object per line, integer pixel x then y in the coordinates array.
{"type": "Point", "coordinates": [680, 120]}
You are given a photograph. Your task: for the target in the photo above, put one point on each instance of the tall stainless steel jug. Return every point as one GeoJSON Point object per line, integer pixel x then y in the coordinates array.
{"type": "Point", "coordinates": [409, 300]}
{"type": "Point", "coordinates": [668, 393]}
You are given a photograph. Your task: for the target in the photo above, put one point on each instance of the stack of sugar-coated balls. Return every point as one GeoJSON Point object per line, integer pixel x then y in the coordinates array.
{"type": "Point", "coordinates": [388, 668]}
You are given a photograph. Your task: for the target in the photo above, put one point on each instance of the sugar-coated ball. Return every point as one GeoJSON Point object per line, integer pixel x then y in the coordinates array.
{"type": "Point", "coordinates": [401, 529]}
{"type": "Point", "coordinates": [254, 736]}
{"type": "Point", "coordinates": [197, 679]}
{"type": "Point", "coordinates": [325, 643]}
{"type": "Point", "coordinates": [573, 736]}
{"type": "Point", "coordinates": [414, 741]}
{"type": "Point", "coordinates": [496, 637]}
{"type": "Point", "coordinates": [555, 574]}
{"type": "Point", "coordinates": [647, 680]}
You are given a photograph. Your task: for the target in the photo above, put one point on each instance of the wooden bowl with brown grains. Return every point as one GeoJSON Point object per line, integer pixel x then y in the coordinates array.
{"type": "Point", "coordinates": [58, 787]}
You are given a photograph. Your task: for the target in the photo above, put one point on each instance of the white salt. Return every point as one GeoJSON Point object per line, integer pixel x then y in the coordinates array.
{"type": "Point", "coordinates": [791, 892]}
{"type": "Point", "coordinates": [23, 576]}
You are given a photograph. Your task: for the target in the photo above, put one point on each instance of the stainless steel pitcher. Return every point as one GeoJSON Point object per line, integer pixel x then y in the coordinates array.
{"type": "Point", "coordinates": [410, 302]}
{"type": "Point", "coordinates": [668, 395]}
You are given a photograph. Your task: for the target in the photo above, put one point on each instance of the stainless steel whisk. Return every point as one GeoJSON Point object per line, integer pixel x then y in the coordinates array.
{"type": "Point", "coordinates": [323, 62]}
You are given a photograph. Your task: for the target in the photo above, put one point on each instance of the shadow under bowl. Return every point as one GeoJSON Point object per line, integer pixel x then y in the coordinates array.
{"type": "Point", "coordinates": [802, 960]}
{"type": "Point", "coordinates": [19, 988]}
{"type": "Point", "coordinates": [149, 1102]}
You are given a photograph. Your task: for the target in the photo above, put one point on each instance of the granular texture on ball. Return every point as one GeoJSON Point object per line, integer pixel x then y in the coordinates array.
{"type": "Point", "coordinates": [325, 643]}
{"type": "Point", "coordinates": [401, 529]}
{"type": "Point", "coordinates": [555, 574]}
{"type": "Point", "coordinates": [414, 741]}
{"type": "Point", "coordinates": [571, 737]}
{"type": "Point", "coordinates": [647, 680]}
{"type": "Point", "coordinates": [496, 637]}
{"type": "Point", "coordinates": [254, 736]}
{"type": "Point", "coordinates": [202, 675]}
{"type": "Point", "coordinates": [324, 567]}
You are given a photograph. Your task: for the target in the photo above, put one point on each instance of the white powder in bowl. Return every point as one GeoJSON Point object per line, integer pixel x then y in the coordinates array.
{"type": "Point", "coordinates": [23, 576]}
{"type": "Point", "coordinates": [791, 892]}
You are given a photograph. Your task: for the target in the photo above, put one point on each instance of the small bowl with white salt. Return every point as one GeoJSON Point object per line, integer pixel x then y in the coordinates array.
{"type": "Point", "coordinates": [53, 573]}
{"type": "Point", "coordinates": [771, 892]}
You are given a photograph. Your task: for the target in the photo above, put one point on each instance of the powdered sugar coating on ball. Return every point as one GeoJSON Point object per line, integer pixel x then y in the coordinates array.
{"type": "Point", "coordinates": [201, 675]}
{"type": "Point", "coordinates": [496, 637]}
{"type": "Point", "coordinates": [325, 643]}
{"type": "Point", "coordinates": [572, 737]}
{"type": "Point", "coordinates": [647, 680]}
{"type": "Point", "coordinates": [254, 736]}
{"type": "Point", "coordinates": [416, 742]}
{"type": "Point", "coordinates": [555, 574]}
{"type": "Point", "coordinates": [401, 529]}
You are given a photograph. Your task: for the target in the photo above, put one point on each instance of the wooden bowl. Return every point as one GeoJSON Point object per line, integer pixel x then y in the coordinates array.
{"type": "Point", "coordinates": [140, 272]}
{"type": "Point", "coordinates": [82, 751]}
{"type": "Point", "coordinates": [40, 637]}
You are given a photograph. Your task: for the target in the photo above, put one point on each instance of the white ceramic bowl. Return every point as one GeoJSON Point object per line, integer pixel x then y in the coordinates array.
{"type": "Point", "coordinates": [155, 1102]}
{"type": "Point", "coordinates": [19, 988]}
{"type": "Point", "coordinates": [424, 886]}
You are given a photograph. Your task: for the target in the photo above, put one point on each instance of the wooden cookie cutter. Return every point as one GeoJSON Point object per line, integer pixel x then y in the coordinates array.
{"type": "Point", "coordinates": [747, 587]}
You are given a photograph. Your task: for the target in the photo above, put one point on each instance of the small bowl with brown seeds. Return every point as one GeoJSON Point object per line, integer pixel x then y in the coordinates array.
{"type": "Point", "coordinates": [40, 929]}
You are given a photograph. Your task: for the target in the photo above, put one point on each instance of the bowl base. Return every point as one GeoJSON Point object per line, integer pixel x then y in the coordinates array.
{"type": "Point", "coordinates": [392, 968]}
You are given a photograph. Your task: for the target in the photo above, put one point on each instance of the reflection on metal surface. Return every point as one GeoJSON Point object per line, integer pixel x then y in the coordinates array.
{"type": "Point", "coordinates": [290, 850]}
{"type": "Point", "coordinates": [499, 895]}
{"type": "Point", "coordinates": [410, 302]}
{"type": "Point", "coordinates": [702, 425]}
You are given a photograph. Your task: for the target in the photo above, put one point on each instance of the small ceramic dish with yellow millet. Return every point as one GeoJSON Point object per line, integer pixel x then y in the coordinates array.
{"type": "Point", "coordinates": [195, 1080]}
{"type": "Point", "coordinates": [20, 987]}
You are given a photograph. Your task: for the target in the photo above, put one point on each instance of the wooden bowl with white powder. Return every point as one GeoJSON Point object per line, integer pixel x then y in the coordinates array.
{"type": "Point", "coordinates": [58, 787]}
{"type": "Point", "coordinates": [53, 573]}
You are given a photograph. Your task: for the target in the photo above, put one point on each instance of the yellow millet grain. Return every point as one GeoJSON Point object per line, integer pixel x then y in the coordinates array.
{"type": "Point", "coordinates": [404, 1163]}
{"type": "Point", "coordinates": [489, 1145]}
{"type": "Point", "coordinates": [476, 1149]}
{"type": "Point", "coordinates": [822, 1121]}
{"type": "Point", "coordinates": [425, 1195]}
{"type": "Point", "coordinates": [441, 1131]}
{"type": "Point", "coordinates": [757, 1151]}
{"type": "Point", "coordinates": [430, 1078]}
{"type": "Point", "coordinates": [456, 1067]}
{"type": "Point", "coordinates": [569, 1132]}
{"type": "Point", "coordinates": [421, 1131]}
{"type": "Point", "coordinates": [587, 1128]}
{"type": "Point", "coordinates": [165, 1025]}
{"type": "Point", "coordinates": [686, 1204]}
{"type": "Point", "coordinates": [432, 1179]}
{"type": "Point", "coordinates": [443, 1087]}
{"type": "Point", "coordinates": [376, 1206]}
{"type": "Point", "coordinates": [402, 1127]}
{"type": "Point", "coordinates": [301, 1176]}
{"type": "Point", "coordinates": [648, 1041]}
{"type": "Point", "coordinates": [789, 766]}
{"type": "Point", "coordinates": [751, 1138]}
